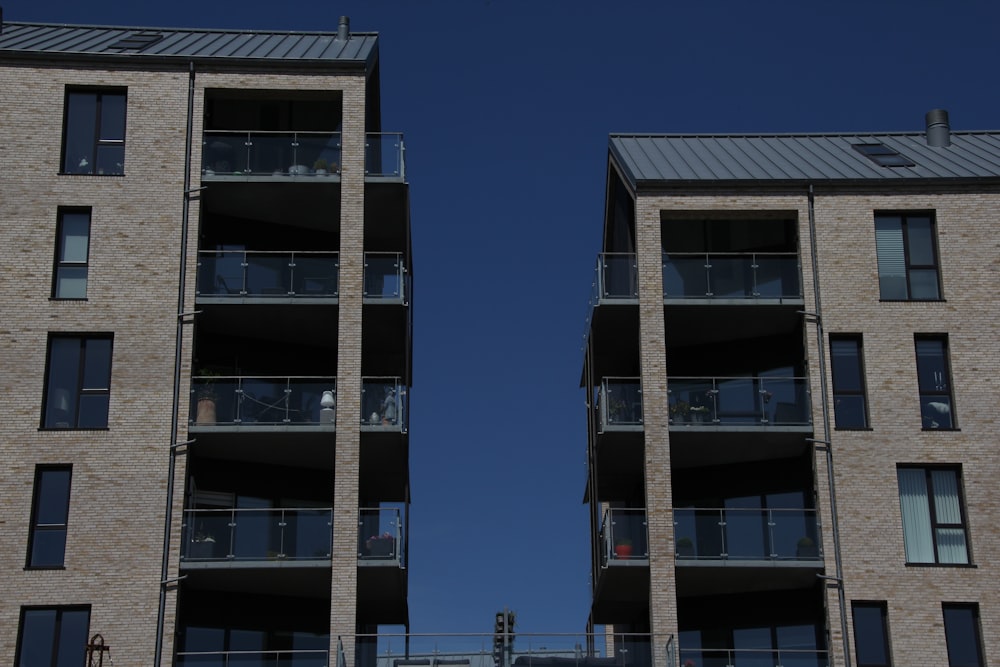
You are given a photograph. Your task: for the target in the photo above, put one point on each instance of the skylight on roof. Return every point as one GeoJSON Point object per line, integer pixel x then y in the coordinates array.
{"type": "Point", "coordinates": [884, 156]}
{"type": "Point", "coordinates": [137, 41]}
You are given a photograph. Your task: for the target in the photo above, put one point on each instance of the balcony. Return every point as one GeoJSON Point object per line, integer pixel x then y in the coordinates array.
{"type": "Point", "coordinates": [239, 403]}
{"type": "Point", "coordinates": [623, 578]}
{"type": "Point", "coordinates": [756, 549]}
{"type": "Point", "coordinates": [240, 276]}
{"type": "Point", "coordinates": [620, 405]}
{"type": "Point", "coordinates": [733, 657]}
{"type": "Point", "coordinates": [619, 442]}
{"type": "Point", "coordinates": [732, 277]}
{"type": "Point", "coordinates": [739, 403]}
{"type": "Point", "coordinates": [616, 279]}
{"type": "Point", "coordinates": [386, 278]}
{"type": "Point", "coordinates": [308, 157]}
{"type": "Point", "coordinates": [382, 565]}
{"type": "Point", "coordinates": [302, 658]}
{"type": "Point", "coordinates": [384, 404]}
{"type": "Point", "coordinates": [256, 537]}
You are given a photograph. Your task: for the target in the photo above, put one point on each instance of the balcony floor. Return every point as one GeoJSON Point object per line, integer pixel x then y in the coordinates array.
{"type": "Point", "coordinates": [714, 577]}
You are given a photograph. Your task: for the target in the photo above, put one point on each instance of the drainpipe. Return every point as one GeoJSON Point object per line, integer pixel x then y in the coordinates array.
{"type": "Point", "coordinates": [178, 350]}
{"type": "Point", "coordinates": [821, 358]}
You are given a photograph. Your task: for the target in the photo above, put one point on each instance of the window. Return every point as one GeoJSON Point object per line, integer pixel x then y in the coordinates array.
{"type": "Point", "coordinates": [850, 406]}
{"type": "Point", "coordinates": [934, 381]}
{"type": "Point", "coordinates": [72, 249]}
{"type": "Point", "coordinates": [883, 155]}
{"type": "Point", "coordinates": [907, 257]}
{"type": "Point", "coordinates": [962, 634]}
{"type": "Point", "coordinates": [94, 132]}
{"type": "Point", "coordinates": [49, 515]}
{"type": "Point", "coordinates": [871, 634]}
{"type": "Point", "coordinates": [78, 382]}
{"type": "Point", "coordinates": [933, 516]}
{"type": "Point", "coordinates": [53, 636]}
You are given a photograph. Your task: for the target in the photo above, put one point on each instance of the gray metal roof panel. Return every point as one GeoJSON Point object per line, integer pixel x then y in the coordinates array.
{"type": "Point", "coordinates": [317, 47]}
{"type": "Point", "coordinates": [801, 157]}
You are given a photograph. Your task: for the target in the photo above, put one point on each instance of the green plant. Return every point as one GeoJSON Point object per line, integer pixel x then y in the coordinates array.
{"type": "Point", "coordinates": [320, 164]}
{"type": "Point", "coordinates": [623, 542]}
{"type": "Point", "coordinates": [685, 542]}
{"type": "Point", "coordinates": [806, 542]}
{"type": "Point", "coordinates": [207, 378]}
{"type": "Point", "coordinates": [679, 408]}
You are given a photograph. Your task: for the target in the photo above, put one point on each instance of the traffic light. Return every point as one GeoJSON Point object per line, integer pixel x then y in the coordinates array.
{"type": "Point", "coordinates": [503, 634]}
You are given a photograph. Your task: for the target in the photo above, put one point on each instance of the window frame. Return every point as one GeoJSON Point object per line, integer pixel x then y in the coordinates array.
{"type": "Point", "coordinates": [60, 263]}
{"type": "Point", "coordinates": [92, 169]}
{"type": "Point", "coordinates": [57, 638]}
{"type": "Point", "coordinates": [908, 266]}
{"type": "Point", "coordinates": [934, 524]}
{"type": "Point", "coordinates": [80, 392]}
{"type": "Point", "coordinates": [36, 527]}
{"type": "Point", "coordinates": [862, 391]}
{"type": "Point", "coordinates": [976, 627]}
{"type": "Point", "coordinates": [935, 392]}
{"type": "Point", "coordinates": [884, 631]}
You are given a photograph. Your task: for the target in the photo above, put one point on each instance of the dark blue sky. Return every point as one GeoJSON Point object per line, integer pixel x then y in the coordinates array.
{"type": "Point", "coordinates": [506, 106]}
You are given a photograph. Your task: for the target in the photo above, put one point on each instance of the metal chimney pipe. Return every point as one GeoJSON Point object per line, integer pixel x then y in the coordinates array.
{"type": "Point", "coordinates": [344, 29]}
{"type": "Point", "coordinates": [938, 129]}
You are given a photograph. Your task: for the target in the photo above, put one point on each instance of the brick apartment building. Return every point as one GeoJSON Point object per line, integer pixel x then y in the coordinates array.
{"type": "Point", "coordinates": [206, 281]}
{"type": "Point", "coordinates": [792, 363]}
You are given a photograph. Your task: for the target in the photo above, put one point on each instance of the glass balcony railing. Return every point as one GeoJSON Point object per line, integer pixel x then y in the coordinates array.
{"type": "Point", "coordinates": [257, 534]}
{"type": "Point", "coordinates": [385, 154]}
{"type": "Point", "coordinates": [258, 153]}
{"type": "Point", "coordinates": [380, 535]}
{"type": "Point", "coordinates": [265, 401]}
{"type": "Point", "coordinates": [238, 273]}
{"type": "Point", "coordinates": [616, 277]}
{"type": "Point", "coordinates": [730, 657]}
{"type": "Point", "coordinates": [384, 403]}
{"type": "Point", "coordinates": [620, 403]}
{"type": "Point", "coordinates": [385, 276]}
{"type": "Point", "coordinates": [623, 535]}
{"type": "Point", "coordinates": [747, 534]}
{"type": "Point", "coordinates": [761, 275]}
{"type": "Point", "coordinates": [739, 401]}
{"type": "Point", "coordinates": [302, 658]}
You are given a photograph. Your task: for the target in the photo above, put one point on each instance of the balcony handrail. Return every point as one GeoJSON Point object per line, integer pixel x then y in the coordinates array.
{"type": "Point", "coordinates": [307, 133]}
{"type": "Point", "coordinates": [248, 510]}
{"type": "Point", "coordinates": [263, 399]}
{"type": "Point", "coordinates": [731, 653]}
{"type": "Point", "coordinates": [762, 378]}
{"type": "Point", "coordinates": [291, 253]}
{"type": "Point", "coordinates": [747, 509]}
{"type": "Point", "coordinates": [774, 545]}
{"type": "Point", "coordinates": [268, 273]}
{"type": "Point", "coordinates": [730, 254]}
{"type": "Point", "coordinates": [780, 400]}
{"type": "Point", "coordinates": [264, 377]}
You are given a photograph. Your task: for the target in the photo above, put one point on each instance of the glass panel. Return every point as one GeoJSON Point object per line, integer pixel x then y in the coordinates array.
{"type": "Point", "coordinates": [37, 634]}
{"type": "Point", "coordinates": [916, 515]}
{"type": "Point", "coordinates": [383, 276]}
{"type": "Point", "coordinates": [64, 372]}
{"type": "Point", "coordinates": [685, 276]}
{"type": "Point", "coordinates": [737, 401]}
{"type": "Point", "coordinates": [273, 154]}
{"type": "Point", "coordinates": [935, 411]}
{"type": "Point", "coordinates": [112, 117]}
{"type": "Point", "coordinates": [931, 368]}
{"type": "Point", "coordinates": [81, 125]}
{"type": "Point", "coordinates": [111, 159]}
{"type": "Point", "coordinates": [53, 497]}
{"type": "Point", "coordinates": [48, 548]}
{"type": "Point", "coordinates": [619, 276]}
{"type": "Point", "coordinates": [221, 272]}
{"type": "Point", "coordinates": [208, 537]}
{"type": "Point", "coordinates": [849, 411]}
{"type": "Point", "coordinates": [264, 400]}
{"type": "Point", "coordinates": [924, 284]}
{"type": "Point", "coordinates": [746, 529]}
{"type": "Point", "coordinates": [307, 534]}
{"type": "Point", "coordinates": [951, 545]}
{"type": "Point", "coordinates": [920, 241]}
{"type": "Point", "coordinates": [203, 639]}
{"type": "Point", "coordinates": [752, 647]}
{"type": "Point", "coordinates": [961, 629]}
{"type": "Point", "coordinates": [268, 274]}
{"type": "Point", "coordinates": [381, 403]}
{"type": "Point", "coordinates": [73, 637]}
{"type": "Point", "coordinates": [777, 276]}
{"type": "Point", "coordinates": [730, 277]}
{"type": "Point", "coordinates": [94, 411]}
{"type": "Point", "coordinates": [226, 153]}
{"type": "Point", "coordinates": [97, 367]}
{"type": "Point", "coordinates": [869, 635]}
{"type": "Point", "coordinates": [75, 237]}
{"type": "Point", "coordinates": [624, 402]}
{"type": "Point", "coordinates": [71, 282]}
{"type": "Point", "coordinates": [316, 275]}
{"type": "Point", "coordinates": [891, 259]}
{"type": "Point", "coordinates": [256, 534]}
{"type": "Point", "coordinates": [846, 364]}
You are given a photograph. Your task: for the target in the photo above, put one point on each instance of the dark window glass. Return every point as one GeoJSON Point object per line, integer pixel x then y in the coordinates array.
{"type": "Point", "coordinates": [934, 381]}
{"type": "Point", "coordinates": [849, 401]}
{"type": "Point", "coordinates": [871, 635]}
{"type": "Point", "coordinates": [962, 633]}
{"type": "Point", "coordinates": [94, 136]}
{"type": "Point", "coordinates": [934, 529]}
{"type": "Point", "coordinates": [907, 257]}
{"type": "Point", "coordinates": [72, 251]}
{"type": "Point", "coordinates": [883, 156]}
{"type": "Point", "coordinates": [78, 385]}
{"type": "Point", "coordinates": [53, 637]}
{"type": "Point", "coordinates": [50, 513]}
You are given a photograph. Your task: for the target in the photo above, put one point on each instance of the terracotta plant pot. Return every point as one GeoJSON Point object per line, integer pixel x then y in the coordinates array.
{"type": "Point", "coordinates": [623, 550]}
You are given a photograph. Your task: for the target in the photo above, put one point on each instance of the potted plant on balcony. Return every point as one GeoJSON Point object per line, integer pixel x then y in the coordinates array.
{"type": "Point", "coordinates": [206, 397]}
{"type": "Point", "coordinates": [623, 548]}
{"type": "Point", "coordinates": [380, 546]}
{"type": "Point", "coordinates": [680, 411]}
{"type": "Point", "coordinates": [617, 411]}
{"type": "Point", "coordinates": [685, 547]}
{"type": "Point", "coordinates": [202, 545]}
{"type": "Point", "coordinates": [320, 166]}
{"type": "Point", "coordinates": [806, 548]}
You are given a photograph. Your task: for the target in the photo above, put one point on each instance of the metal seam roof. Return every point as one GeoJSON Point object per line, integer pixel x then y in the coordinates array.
{"type": "Point", "coordinates": [800, 157]}
{"type": "Point", "coordinates": [68, 40]}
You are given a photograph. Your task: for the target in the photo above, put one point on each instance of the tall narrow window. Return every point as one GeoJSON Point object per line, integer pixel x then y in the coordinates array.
{"type": "Point", "coordinates": [850, 405]}
{"type": "Point", "coordinates": [907, 257]}
{"type": "Point", "coordinates": [963, 635]}
{"type": "Point", "coordinates": [934, 528]}
{"type": "Point", "coordinates": [49, 516]}
{"type": "Point", "coordinates": [52, 636]}
{"type": "Point", "coordinates": [94, 132]}
{"type": "Point", "coordinates": [78, 382]}
{"type": "Point", "coordinates": [72, 251]}
{"type": "Point", "coordinates": [934, 380]}
{"type": "Point", "coordinates": [871, 634]}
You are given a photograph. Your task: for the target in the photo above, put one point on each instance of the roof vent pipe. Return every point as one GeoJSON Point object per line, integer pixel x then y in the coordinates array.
{"type": "Point", "coordinates": [938, 129]}
{"type": "Point", "coordinates": [344, 29]}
